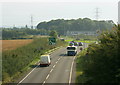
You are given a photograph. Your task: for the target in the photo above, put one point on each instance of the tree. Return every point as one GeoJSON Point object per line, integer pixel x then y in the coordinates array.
{"type": "Point", "coordinates": [53, 33]}
{"type": "Point", "coordinates": [85, 24]}
{"type": "Point", "coordinates": [26, 26]}
{"type": "Point", "coordinates": [102, 63]}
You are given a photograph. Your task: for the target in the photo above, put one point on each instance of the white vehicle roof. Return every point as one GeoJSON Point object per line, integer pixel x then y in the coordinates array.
{"type": "Point", "coordinates": [71, 46]}
{"type": "Point", "coordinates": [45, 59]}
{"type": "Point", "coordinates": [44, 55]}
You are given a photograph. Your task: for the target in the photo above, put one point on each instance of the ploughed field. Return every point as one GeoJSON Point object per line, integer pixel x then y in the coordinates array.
{"type": "Point", "coordinates": [13, 44]}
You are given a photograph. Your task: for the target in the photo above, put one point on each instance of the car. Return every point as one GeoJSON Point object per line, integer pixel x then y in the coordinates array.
{"type": "Point", "coordinates": [75, 44]}
{"type": "Point", "coordinates": [45, 60]}
{"type": "Point", "coordinates": [80, 44]}
{"type": "Point", "coordinates": [71, 43]}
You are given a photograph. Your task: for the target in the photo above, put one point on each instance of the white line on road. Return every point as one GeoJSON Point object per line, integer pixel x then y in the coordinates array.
{"type": "Point", "coordinates": [70, 78]}
{"type": "Point", "coordinates": [27, 75]}
{"type": "Point", "coordinates": [51, 70]}
{"type": "Point", "coordinates": [59, 59]}
{"type": "Point", "coordinates": [43, 83]}
{"type": "Point", "coordinates": [54, 66]}
{"type": "Point", "coordinates": [56, 62]}
{"type": "Point", "coordinates": [47, 76]}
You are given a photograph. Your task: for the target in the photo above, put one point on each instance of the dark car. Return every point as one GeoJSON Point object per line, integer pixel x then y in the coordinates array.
{"type": "Point", "coordinates": [75, 44]}
{"type": "Point", "coordinates": [80, 44]}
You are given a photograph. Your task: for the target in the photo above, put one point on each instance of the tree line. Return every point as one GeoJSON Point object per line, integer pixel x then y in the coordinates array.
{"type": "Point", "coordinates": [85, 24]}
{"type": "Point", "coordinates": [101, 62]}
{"type": "Point", "coordinates": [12, 33]}
{"type": "Point", "coordinates": [59, 25]}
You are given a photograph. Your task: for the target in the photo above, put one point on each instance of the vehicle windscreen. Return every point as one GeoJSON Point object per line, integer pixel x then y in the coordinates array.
{"type": "Point", "coordinates": [44, 59]}
{"type": "Point", "coordinates": [71, 48]}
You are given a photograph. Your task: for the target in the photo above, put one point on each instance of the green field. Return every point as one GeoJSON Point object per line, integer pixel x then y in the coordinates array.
{"type": "Point", "coordinates": [85, 41]}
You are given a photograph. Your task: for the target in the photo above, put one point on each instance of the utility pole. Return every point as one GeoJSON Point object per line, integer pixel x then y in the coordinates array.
{"type": "Point", "coordinates": [97, 13]}
{"type": "Point", "coordinates": [31, 22]}
{"type": "Point", "coordinates": [97, 17]}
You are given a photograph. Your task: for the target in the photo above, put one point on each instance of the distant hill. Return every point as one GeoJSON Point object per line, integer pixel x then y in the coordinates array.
{"type": "Point", "coordinates": [85, 24]}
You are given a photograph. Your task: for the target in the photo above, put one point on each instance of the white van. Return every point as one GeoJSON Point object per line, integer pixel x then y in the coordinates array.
{"type": "Point", "coordinates": [45, 60]}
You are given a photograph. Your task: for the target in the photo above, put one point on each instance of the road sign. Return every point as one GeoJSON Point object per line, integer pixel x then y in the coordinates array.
{"type": "Point", "coordinates": [52, 40]}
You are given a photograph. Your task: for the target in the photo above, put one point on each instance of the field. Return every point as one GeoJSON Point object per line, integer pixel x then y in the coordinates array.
{"type": "Point", "coordinates": [85, 41]}
{"type": "Point", "coordinates": [13, 44]}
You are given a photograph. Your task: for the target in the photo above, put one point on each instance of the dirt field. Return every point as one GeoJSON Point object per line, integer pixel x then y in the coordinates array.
{"type": "Point", "coordinates": [13, 44]}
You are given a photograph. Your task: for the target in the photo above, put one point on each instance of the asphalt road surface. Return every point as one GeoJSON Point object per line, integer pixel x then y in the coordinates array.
{"type": "Point", "coordinates": [61, 70]}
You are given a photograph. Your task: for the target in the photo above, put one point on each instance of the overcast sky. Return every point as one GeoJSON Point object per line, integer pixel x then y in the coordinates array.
{"type": "Point", "coordinates": [18, 12]}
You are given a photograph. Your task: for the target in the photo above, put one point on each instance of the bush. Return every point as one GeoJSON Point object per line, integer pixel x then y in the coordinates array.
{"type": "Point", "coordinates": [102, 63]}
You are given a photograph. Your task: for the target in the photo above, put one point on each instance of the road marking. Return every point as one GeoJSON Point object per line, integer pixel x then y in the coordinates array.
{"type": "Point", "coordinates": [43, 83]}
{"type": "Point", "coordinates": [56, 62]}
{"type": "Point", "coordinates": [47, 76]}
{"type": "Point", "coordinates": [51, 70]}
{"type": "Point", "coordinates": [70, 78]}
{"type": "Point", "coordinates": [27, 75]}
{"type": "Point", "coordinates": [54, 66]}
{"type": "Point", "coordinates": [59, 58]}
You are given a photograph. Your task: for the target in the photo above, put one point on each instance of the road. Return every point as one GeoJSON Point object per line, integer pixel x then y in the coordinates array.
{"type": "Point", "coordinates": [61, 70]}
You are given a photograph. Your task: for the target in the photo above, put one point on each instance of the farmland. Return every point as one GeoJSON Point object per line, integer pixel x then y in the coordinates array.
{"type": "Point", "coordinates": [13, 44]}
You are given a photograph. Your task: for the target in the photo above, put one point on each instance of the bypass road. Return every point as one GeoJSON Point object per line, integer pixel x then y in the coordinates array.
{"type": "Point", "coordinates": [61, 70]}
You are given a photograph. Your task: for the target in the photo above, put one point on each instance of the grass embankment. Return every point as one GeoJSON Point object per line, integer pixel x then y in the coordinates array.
{"type": "Point", "coordinates": [80, 77]}
{"type": "Point", "coordinates": [16, 62]}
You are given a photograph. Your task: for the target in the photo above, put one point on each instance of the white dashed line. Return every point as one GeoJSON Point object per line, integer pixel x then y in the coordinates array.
{"type": "Point", "coordinates": [70, 78]}
{"type": "Point", "coordinates": [54, 66]}
{"type": "Point", "coordinates": [59, 59]}
{"type": "Point", "coordinates": [47, 76]}
{"type": "Point", "coordinates": [43, 83]}
{"type": "Point", "coordinates": [56, 62]}
{"type": "Point", "coordinates": [51, 70]}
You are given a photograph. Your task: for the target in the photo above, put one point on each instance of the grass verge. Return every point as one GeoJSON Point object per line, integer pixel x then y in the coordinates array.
{"type": "Point", "coordinates": [80, 77]}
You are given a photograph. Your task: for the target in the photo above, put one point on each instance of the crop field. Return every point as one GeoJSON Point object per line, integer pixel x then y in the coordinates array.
{"type": "Point", "coordinates": [13, 44]}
